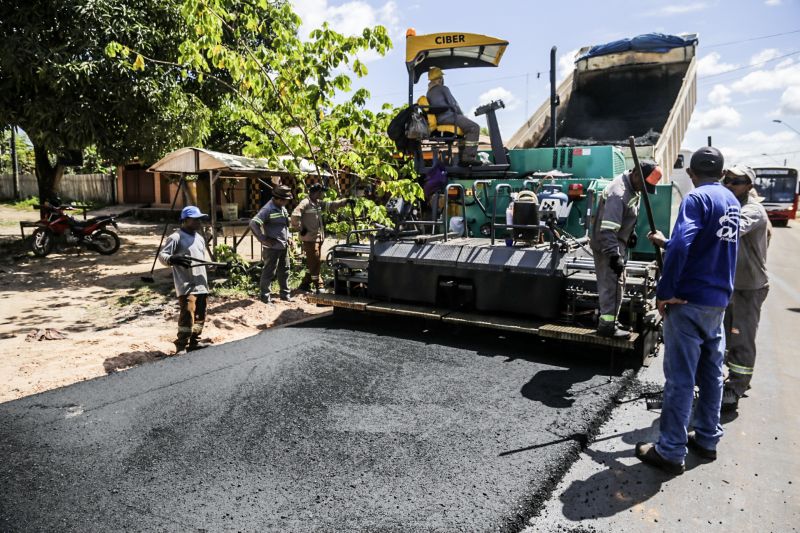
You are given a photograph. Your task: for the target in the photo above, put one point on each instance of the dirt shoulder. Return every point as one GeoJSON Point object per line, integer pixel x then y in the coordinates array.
{"type": "Point", "coordinates": [110, 319]}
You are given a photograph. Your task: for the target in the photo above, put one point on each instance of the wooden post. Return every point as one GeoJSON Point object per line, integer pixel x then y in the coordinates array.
{"type": "Point", "coordinates": [15, 164]}
{"type": "Point", "coordinates": [212, 178]}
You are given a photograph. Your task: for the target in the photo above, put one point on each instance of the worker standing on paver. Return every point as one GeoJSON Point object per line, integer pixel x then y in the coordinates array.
{"type": "Point", "coordinates": [191, 281]}
{"type": "Point", "coordinates": [440, 96]}
{"type": "Point", "coordinates": [271, 227]}
{"type": "Point", "coordinates": [695, 287]}
{"type": "Point", "coordinates": [750, 287]}
{"type": "Point", "coordinates": [612, 234]}
{"type": "Point", "coordinates": [307, 221]}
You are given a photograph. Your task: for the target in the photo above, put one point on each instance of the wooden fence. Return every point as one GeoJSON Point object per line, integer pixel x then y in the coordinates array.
{"type": "Point", "coordinates": [74, 187]}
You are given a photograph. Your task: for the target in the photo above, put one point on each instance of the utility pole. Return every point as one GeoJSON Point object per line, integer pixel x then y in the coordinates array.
{"type": "Point", "coordinates": [14, 163]}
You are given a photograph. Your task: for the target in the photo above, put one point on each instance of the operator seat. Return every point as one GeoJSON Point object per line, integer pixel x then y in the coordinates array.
{"type": "Point", "coordinates": [439, 131]}
{"type": "Point", "coordinates": [443, 136]}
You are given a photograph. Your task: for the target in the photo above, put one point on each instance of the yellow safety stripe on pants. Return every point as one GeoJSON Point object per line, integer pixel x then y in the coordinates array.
{"type": "Point", "coordinates": [608, 318]}
{"type": "Point", "coordinates": [607, 224]}
{"type": "Point", "coordinates": [184, 329]}
{"type": "Point", "coordinates": [739, 369]}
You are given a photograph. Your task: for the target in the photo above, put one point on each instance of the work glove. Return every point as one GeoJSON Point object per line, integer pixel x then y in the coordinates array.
{"type": "Point", "coordinates": [617, 264]}
{"type": "Point", "coordinates": [633, 239]}
{"type": "Point", "coordinates": [180, 260]}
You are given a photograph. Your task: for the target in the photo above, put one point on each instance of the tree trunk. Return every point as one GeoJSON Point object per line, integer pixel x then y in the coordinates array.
{"type": "Point", "coordinates": [48, 176]}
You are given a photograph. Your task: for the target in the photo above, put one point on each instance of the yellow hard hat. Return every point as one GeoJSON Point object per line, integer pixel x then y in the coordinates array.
{"type": "Point", "coordinates": [435, 73]}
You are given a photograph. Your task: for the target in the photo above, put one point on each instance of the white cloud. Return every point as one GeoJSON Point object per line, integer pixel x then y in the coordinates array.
{"type": "Point", "coordinates": [710, 65]}
{"type": "Point", "coordinates": [678, 9]}
{"type": "Point", "coordinates": [773, 2]}
{"type": "Point", "coordinates": [500, 93]}
{"type": "Point", "coordinates": [750, 148]}
{"type": "Point", "coordinates": [719, 95]}
{"type": "Point", "coordinates": [781, 77]}
{"type": "Point", "coordinates": [764, 55]}
{"type": "Point", "coordinates": [349, 18]}
{"type": "Point", "coordinates": [716, 118]}
{"type": "Point", "coordinates": [759, 138]}
{"type": "Point", "coordinates": [566, 64]}
{"type": "Point", "coordinates": [790, 101]}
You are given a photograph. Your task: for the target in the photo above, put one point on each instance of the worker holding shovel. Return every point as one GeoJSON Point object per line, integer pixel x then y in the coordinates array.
{"type": "Point", "coordinates": [185, 252]}
{"type": "Point", "coordinates": [307, 221]}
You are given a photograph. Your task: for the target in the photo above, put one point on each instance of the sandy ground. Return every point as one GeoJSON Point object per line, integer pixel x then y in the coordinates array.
{"type": "Point", "coordinates": [110, 319]}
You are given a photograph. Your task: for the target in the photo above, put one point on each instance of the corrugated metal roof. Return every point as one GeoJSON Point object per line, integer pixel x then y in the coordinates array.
{"type": "Point", "coordinates": [192, 160]}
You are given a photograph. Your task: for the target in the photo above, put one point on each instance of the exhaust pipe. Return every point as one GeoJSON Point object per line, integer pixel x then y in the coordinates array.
{"type": "Point", "coordinates": [553, 97]}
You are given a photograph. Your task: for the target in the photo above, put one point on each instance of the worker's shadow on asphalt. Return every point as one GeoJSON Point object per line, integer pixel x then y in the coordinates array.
{"type": "Point", "coordinates": [555, 388]}
{"type": "Point", "coordinates": [620, 486]}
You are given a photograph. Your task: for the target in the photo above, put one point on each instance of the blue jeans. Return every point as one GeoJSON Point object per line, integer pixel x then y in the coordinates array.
{"type": "Point", "coordinates": [694, 349]}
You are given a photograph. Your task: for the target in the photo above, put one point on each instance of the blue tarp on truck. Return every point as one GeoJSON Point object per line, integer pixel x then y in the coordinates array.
{"type": "Point", "coordinates": [648, 42]}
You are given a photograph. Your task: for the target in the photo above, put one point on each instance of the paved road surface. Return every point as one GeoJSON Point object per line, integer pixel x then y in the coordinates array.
{"type": "Point", "coordinates": [328, 426]}
{"type": "Point", "coordinates": [754, 486]}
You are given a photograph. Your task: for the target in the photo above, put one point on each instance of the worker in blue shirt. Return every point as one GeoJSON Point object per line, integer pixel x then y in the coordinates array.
{"type": "Point", "coordinates": [695, 287]}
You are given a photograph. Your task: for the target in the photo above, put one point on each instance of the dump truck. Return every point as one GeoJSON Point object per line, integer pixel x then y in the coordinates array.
{"type": "Point", "coordinates": [504, 245]}
{"type": "Point", "coordinates": [645, 87]}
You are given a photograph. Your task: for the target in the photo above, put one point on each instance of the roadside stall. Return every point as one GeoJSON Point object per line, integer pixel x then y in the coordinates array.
{"type": "Point", "coordinates": [232, 186]}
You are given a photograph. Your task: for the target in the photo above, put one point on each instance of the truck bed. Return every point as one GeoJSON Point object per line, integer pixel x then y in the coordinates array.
{"type": "Point", "coordinates": [606, 99]}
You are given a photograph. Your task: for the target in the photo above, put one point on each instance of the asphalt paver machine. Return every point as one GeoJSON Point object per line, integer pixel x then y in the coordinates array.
{"type": "Point", "coordinates": [506, 243]}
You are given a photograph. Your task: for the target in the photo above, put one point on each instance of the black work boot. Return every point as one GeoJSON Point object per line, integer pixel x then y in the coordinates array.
{"type": "Point", "coordinates": [730, 400]}
{"type": "Point", "coordinates": [195, 344]}
{"type": "Point", "coordinates": [646, 453]}
{"type": "Point", "coordinates": [610, 330]}
{"type": "Point", "coordinates": [705, 453]}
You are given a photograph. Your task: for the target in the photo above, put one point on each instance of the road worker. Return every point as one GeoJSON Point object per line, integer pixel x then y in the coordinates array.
{"type": "Point", "coordinates": [750, 286]}
{"type": "Point", "coordinates": [440, 96]}
{"type": "Point", "coordinates": [613, 233]}
{"type": "Point", "coordinates": [307, 221]}
{"type": "Point", "coordinates": [191, 281]}
{"type": "Point", "coordinates": [271, 227]}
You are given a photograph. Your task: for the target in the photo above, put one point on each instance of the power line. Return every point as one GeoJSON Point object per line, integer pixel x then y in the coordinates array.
{"type": "Point", "coordinates": [715, 45]}
{"type": "Point", "coordinates": [746, 67]}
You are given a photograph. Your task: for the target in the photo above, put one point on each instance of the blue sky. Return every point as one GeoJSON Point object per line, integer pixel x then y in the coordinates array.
{"type": "Point", "coordinates": [745, 79]}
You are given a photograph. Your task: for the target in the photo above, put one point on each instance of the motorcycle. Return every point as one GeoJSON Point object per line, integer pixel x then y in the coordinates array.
{"type": "Point", "coordinates": [57, 229]}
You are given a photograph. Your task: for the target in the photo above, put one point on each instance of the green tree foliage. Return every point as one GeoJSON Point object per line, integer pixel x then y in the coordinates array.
{"type": "Point", "coordinates": [25, 158]}
{"type": "Point", "coordinates": [59, 86]}
{"type": "Point", "coordinates": [290, 95]}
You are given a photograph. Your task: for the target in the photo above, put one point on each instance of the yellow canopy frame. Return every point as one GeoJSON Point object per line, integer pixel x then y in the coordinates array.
{"type": "Point", "coordinates": [451, 50]}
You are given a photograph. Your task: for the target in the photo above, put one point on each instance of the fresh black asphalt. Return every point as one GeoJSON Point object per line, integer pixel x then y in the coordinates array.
{"type": "Point", "coordinates": [338, 424]}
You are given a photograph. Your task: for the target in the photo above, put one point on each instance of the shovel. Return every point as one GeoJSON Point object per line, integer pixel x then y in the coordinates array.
{"type": "Point", "coordinates": [149, 278]}
{"type": "Point", "coordinates": [202, 262]}
{"type": "Point", "coordinates": [646, 197]}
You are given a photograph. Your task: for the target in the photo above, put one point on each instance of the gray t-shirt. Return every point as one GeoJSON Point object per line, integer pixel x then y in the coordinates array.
{"type": "Point", "coordinates": [751, 260]}
{"type": "Point", "coordinates": [187, 280]}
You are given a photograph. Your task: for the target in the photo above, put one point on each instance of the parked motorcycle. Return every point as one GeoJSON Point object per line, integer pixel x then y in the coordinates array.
{"type": "Point", "coordinates": [58, 230]}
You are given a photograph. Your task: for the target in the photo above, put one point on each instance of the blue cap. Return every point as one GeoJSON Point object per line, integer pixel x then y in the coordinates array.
{"type": "Point", "coordinates": [191, 211]}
